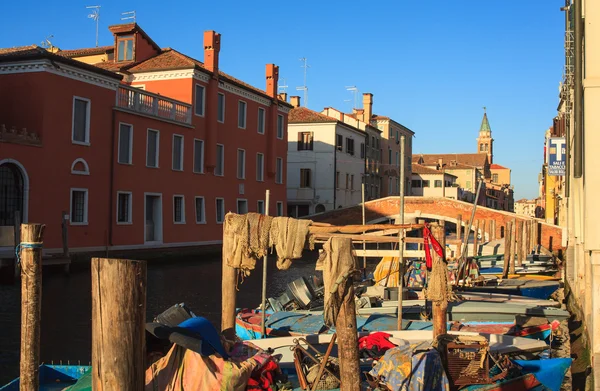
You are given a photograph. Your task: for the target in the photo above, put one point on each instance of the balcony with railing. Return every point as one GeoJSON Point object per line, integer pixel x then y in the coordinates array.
{"type": "Point", "coordinates": [153, 105]}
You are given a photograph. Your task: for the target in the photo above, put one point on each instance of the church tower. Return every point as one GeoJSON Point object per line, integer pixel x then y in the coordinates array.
{"type": "Point", "coordinates": [485, 142]}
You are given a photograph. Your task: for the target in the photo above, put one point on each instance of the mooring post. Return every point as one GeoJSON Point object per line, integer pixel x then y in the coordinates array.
{"type": "Point", "coordinates": [519, 240]}
{"type": "Point", "coordinates": [228, 291]}
{"type": "Point", "coordinates": [32, 236]}
{"type": "Point", "coordinates": [483, 231]}
{"type": "Point", "coordinates": [264, 279]}
{"type": "Point", "coordinates": [440, 307]}
{"type": "Point", "coordinates": [345, 326]}
{"type": "Point", "coordinates": [458, 236]}
{"type": "Point", "coordinates": [507, 247]}
{"type": "Point", "coordinates": [513, 245]}
{"type": "Point", "coordinates": [492, 229]}
{"type": "Point", "coordinates": [476, 239]}
{"type": "Point", "coordinates": [118, 324]}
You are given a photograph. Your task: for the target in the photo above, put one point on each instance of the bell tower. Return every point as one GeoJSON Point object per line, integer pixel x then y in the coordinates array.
{"type": "Point", "coordinates": [485, 142]}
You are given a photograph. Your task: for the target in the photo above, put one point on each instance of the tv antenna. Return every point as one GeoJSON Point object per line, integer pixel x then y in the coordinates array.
{"type": "Point", "coordinates": [95, 15]}
{"type": "Point", "coordinates": [128, 15]}
{"type": "Point", "coordinates": [282, 86]}
{"type": "Point", "coordinates": [354, 90]}
{"type": "Point", "coordinates": [304, 87]}
{"type": "Point", "coordinates": [46, 42]}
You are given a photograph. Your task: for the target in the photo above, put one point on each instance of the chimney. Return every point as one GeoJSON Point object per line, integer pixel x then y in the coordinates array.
{"type": "Point", "coordinates": [212, 46]}
{"type": "Point", "coordinates": [283, 96]}
{"type": "Point", "coordinates": [367, 107]}
{"type": "Point", "coordinates": [295, 101]}
{"type": "Point", "coordinates": [440, 163]}
{"type": "Point", "coordinates": [272, 79]}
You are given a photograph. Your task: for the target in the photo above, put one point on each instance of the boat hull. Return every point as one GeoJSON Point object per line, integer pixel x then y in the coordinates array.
{"type": "Point", "coordinates": [53, 377]}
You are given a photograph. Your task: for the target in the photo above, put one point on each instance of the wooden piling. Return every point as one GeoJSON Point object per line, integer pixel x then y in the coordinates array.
{"type": "Point", "coordinates": [440, 308]}
{"type": "Point", "coordinates": [345, 326]}
{"type": "Point", "coordinates": [519, 242]}
{"type": "Point", "coordinates": [483, 231]}
{"type": "Point", "coordinates": [513, 238]}
{"type": "Point", "coordinates": [524, 241]}
{"type": "Point", "coordinates": [228, 294]}
{"type": "Point", "coordinates": [118, 324]}
{"type": "Point", "coordinates": [507, 247]}
{"type": "Point", "coordinates": [492, 229]}
{"type": "Point", "coordinates": [32, 236]}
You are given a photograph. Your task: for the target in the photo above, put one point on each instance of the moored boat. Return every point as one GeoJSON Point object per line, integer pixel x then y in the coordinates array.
{"type": "Point", "coordinates": [53, 377]}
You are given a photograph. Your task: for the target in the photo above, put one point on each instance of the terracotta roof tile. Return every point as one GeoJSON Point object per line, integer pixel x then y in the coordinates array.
{"type": "Point", "coordinates": [498, 167]}
{"type": "Point", "coordinates": [115, 66]}
{"type": "Point", "coordinates": [17, 49]}
{"type": "Point", "coordinates": [85, 51]}
{"type": "Point", "coordinates": [422, 170]}
{"type": "Point", "coordinates": [304, 115]}
{"type": "Point", "coordinates": [132, 28]}
{"type": "Point", "coordinates": [469, 159]}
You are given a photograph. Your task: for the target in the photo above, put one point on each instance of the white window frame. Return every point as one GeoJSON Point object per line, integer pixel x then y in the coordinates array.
{"type": "Point", "coordinates": [182, 208]}
{"type": "Point", "coordinates": [237, 204]}
{"type": "Point", "coordinates": [86, 167]}
{"type": "Point", "coordinates": [196, 85]}
{"type": "Point", "coordinates": [279, 208]}
{"type": "Point", "coordinates": [85, 206]}
{"type": "Point", "coordinates": [129, 206]}
{"type": "Point", "coordinates": [148, 131]}
{"type": "Point", "coordinates": [130, 143]}
{"type": "Point", "coordinates": [243, 173]}
{"type": "Point", "coordinates": [223, 120]}
{"type": "Point", "coordinates": [87, 122]}
{"type": "Point", "coordinates": [203, 210]}
{"type": "Point", "coordinates": [264, 118]}
{"type": "Point", "coordinates": [194, 160]}
{"type": "Point", "coordinates": [173, 151]}
{"type": "Point", "coordinates": [279, 116]}
{"type": "Point", "coordinates": [222, 161]}
{"type": "Point", "coordinates": [261, 177]}
{"type": "Point", "coordinates": [217, 199]}
{"type": "Point", "coordinates": [279, 171]}
{"type": "Point", "coordinates": [258, 205]}
{"type": "Point", "coordinates": [245, 114]}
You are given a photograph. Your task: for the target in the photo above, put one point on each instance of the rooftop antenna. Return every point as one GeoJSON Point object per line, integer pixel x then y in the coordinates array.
{"type": "Point", "coordinates": [95, 15]}
{"type": "Point", "coordinates": [484, 109]}
{"type": "Point", "coordinates": [282, 86]}
{"type": "Point", "coordinates": [128, 15]}
{"type": "Point", "coordinates": [354, 90]}
{"type": "Point", "coordinates": [304, 87]}
{"type": "Point", "coordinates": [46, 42]}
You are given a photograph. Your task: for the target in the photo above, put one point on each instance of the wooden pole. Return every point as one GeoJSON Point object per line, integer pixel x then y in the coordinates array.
{"type": "Point", "coordinates": [228, 292]}
{"type": "Point", "coordinates": [524, 241]}
{"type": "Point", "coordinates": [520, 252]}
{"type": "Point", "coordinates": [476, 239]}
{"type": "Point", "coordinates": [483, 231]}
{"type": "Point", "coordinates": [345, 326]}
{"type": "Point", "coordinates": [401, 236]}
{"type": "Point", "coordinates": [118, 324]}
{"type": "Point", "coordinates": [513, 245]}
{"type": "Point", "coordinates": [32, 236]}
{"type": "Point", "coordinates": [440, 308]}
{"type": "Point", "coordinates": [264, 278]}
{"type": "Point", "coordinates": [528, 233]}
{"type": "Point", "coordinates": [507, 247]}
{"type": "Point", "coordinates": [364, 218]}
{"type": "Point", "coordinates": [493, 230]}
{"type": "Point", "coordinates": [458, 235]}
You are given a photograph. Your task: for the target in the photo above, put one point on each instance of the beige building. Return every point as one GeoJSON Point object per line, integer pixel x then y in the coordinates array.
{"type": "Point", "coordinates": [500, 174]}
{"type": "Point", "coordinates": [429, 182]}
{"type": "Point", "coordinates": [580, 99]}
{"type": "Point", "coordinates": [526, 207]}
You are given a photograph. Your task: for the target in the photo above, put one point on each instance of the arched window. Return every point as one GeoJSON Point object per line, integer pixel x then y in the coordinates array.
{"type": "Point", "coordinates": [80, 167]}
{"type": "Point", "coordinates": [12, 190]}
{"type": "Point", "coordinates": [320, 208]}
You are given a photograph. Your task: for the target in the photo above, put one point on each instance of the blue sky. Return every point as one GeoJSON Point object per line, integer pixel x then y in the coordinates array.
{"type": "Point", "coordinates": [431, 65]}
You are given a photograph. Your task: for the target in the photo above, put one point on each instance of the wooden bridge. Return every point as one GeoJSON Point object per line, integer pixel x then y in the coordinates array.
{"type": "Point", "coordinates": [490, 223]}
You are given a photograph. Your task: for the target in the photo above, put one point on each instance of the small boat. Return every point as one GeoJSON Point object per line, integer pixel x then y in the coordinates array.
{"type": "Point", "coordinates": [501, 344]}
{"type": "Point", "coordinates": [249, 325]}
{"type": "Point", "coordinates": [53, 377]}
{"type": "Point", "coordinates": [519, 287]}
{"type": "Point", "coordinates": [531, 258]}
{"type": "Point", "coordinates": [520, 270]}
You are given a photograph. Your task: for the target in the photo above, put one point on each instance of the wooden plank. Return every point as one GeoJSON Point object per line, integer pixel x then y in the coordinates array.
{"type": "Point", "coordinates": [352, 229]}
{"type": "Point", "coordinates": [388, 253]}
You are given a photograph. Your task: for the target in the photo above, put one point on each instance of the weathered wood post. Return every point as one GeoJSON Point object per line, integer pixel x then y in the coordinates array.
{"type": "Point", "coordinates": [483, 230]}
{"type": "Point", "coordinates": [345, 326]}
{"type": "Point", "coordinates": [492, 229]}
{"type": "Point", "coordinates": [32, 236]}
{"type": "Point", "coordinates": [118, 324]}
{"type": "Point", "coordinates": [524, 241]}
{"type": "Point", "coordinates": [519, 240]}
{"type": "Point", "coordinates": [228, 290]}
{"type": "Point", "coordinates": [513, 245]}
{"type": "Point", "coordinates": [507, 247]}
{"type": "Point", "coordinates": [476, 239]}
{"type": "Point", "coordinates": [458, 236]}
{"type": "Point", "coordinates": [439, 296]}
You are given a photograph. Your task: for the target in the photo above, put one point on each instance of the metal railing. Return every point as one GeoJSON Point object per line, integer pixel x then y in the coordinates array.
{"type": "Point", "coordinates": [143, 102]}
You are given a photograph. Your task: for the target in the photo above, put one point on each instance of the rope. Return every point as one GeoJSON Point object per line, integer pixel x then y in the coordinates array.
{"type": "Point", "coordinates": [25, 245]}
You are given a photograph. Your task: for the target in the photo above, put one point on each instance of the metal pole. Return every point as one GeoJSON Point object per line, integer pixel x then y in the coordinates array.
{"type": "Point", "coordinates": [401, 235]}
{"type": "Point", "coordinates": [264, 279]}
{"type": "Point", "coordinates": [364, 222]}
{"type": "Point", "coordinates": [578, 93]}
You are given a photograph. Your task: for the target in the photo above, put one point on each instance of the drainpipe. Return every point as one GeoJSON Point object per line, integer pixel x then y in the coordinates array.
{"type": "Point", "coordinates": [578, 98]}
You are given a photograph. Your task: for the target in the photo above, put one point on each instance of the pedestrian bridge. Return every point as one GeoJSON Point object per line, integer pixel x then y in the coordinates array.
{"type": "Point", "coordinates": [491, 222]}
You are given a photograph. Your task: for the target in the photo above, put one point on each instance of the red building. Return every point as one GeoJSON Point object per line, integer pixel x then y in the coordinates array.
{"type": "Point", "coordinates": [140, 146]}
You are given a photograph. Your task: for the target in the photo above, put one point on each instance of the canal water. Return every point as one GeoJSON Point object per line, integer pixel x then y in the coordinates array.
{"type": "Point", "coordinates": [67, 303]}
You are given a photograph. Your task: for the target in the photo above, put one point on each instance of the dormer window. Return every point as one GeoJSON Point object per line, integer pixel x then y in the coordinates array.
{"type": "Point", "coordinates": [125, 48]}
